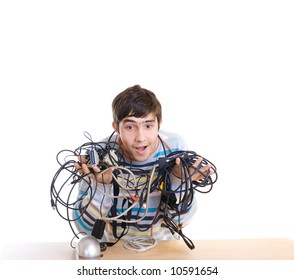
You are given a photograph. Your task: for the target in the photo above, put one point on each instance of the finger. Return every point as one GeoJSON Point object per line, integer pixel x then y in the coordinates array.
{"type": "Point", "coordinates": [105, 176]}
{"type": "Point", "coordinates": [178, 161]}
{"type": "Point", "coordinates": [96, 168]}
{"type": "Point", "coordinates": [198, 162]}
{"type": "Point", "coordinates": [78, 167]}
{"type": "Point", "coordinates": [107, 172]}
{"type": "Point", "coordinates": [210, 172]}
{"type": "Point", "coordinates": [205, 169]}
{"type": "Point", "coordinates": [85, 168]}
{"type": "Point", "coordinates": [82, 159]}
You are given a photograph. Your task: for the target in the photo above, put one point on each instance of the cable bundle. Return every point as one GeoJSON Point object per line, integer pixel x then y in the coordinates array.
{"type": "Point", "coordinates": [176, 200]}
{"type": "Point", "coordinates": [65, 184]}
{"type": "Point", "coordinates": [140, 244]}
{"type": "Point", "coordinates": [130, 184]}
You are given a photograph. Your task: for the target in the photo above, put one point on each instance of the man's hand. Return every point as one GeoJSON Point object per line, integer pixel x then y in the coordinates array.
{"type": "Point", "coordinates": [196, 175]}
{"type": "Point", "coordinates": [104, 177]}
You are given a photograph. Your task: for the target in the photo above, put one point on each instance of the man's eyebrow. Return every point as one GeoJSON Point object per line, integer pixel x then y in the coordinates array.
{"type": "Point", "coordinates": [133, 121]}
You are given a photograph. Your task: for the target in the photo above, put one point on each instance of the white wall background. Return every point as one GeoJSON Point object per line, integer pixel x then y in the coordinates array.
{"type": "Point", "coordinates": [223, 71]}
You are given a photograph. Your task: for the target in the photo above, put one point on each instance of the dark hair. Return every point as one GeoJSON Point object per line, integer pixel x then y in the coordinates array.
{"type": "Point", "coordinates": [135, 102]}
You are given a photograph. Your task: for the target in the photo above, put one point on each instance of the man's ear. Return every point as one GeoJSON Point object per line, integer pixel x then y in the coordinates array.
{"type": "Point", "coordinates": [115, 127]}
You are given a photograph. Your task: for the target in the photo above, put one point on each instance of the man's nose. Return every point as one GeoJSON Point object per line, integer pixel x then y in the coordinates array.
{"type": "Point", "coordinates": [140, 134]}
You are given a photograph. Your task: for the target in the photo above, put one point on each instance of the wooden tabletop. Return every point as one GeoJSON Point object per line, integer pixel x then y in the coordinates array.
{"type": "Point", "coordinates": [228, 249]}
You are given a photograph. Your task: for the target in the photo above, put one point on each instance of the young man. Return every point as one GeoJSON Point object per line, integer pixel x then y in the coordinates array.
{"type": "Point", "coordinates": [136, 121]}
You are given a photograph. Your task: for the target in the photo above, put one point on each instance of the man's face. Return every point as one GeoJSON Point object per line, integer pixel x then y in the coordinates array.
{"type": "Point", "coordinates": [138, 136]}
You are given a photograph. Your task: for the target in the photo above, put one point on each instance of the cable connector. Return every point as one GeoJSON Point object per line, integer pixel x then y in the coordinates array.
{"type": "Point", "coordinates": [94, 158]}
{"type": "Point", "coordinates": [162, 162]}
{"type": "Point", "coordinates": [98, 229]}
{"type": "Point", "coordinates": [135, 199]}
{"type": "Point", "coordinates": [111, 158]}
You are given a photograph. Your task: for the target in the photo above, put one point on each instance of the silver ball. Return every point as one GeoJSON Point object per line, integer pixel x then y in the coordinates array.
{"type": "Point", "coordinates": [88, 247]}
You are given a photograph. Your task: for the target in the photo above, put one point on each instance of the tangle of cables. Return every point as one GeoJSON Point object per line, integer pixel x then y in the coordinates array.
{"type": "Point", "coordinates": [131, 185]}
{"type": "Point", "coordinates": [177, 200]}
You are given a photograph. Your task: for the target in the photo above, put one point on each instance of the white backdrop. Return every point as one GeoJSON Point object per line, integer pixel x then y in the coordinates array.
{"type": "Point", "coordinates": [223, 71]}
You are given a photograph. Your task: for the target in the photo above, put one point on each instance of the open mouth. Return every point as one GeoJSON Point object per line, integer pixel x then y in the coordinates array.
{"type": "Point", "coordinates": [141, 149]}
